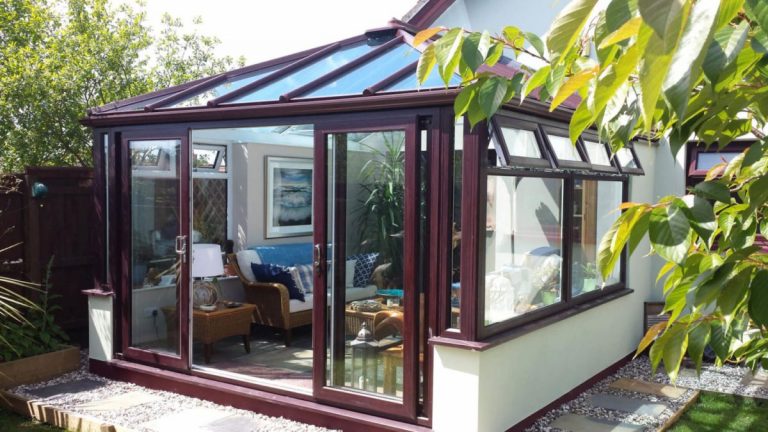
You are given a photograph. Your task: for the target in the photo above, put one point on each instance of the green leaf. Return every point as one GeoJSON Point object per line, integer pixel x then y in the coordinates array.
{"type": "Point", "coordinates": [535, 81]}
{"type": "Point", "coordinates": [734, 293]}
{"type": "Point", "coordinates": [689, 55]}
{"type": "Point", "coordinates": [758, 299]}
{"type": "Point", "coordinates": [567, 26]}
{"type": "Point", "coordinates": [497, 50]}
{"type": "Point", "coordinates": [461, 104]}
{"type": "Point", "coordinates": [675, 343]}
{"type": "Point", "coordinates": [614, 76]}
{"type": "Point", "coordinates": [427, 62]}
{"type": "Point", "coordinates": [639, 230]}
{"type": "Point", "coordinates": [713, 190]}
{"type": "Point", "coordinates": [701, 216]}
{"type": "Point", "coordinates": [758, 193]}
{"type": "Point", "coordinates": [727, 12]}
{"type": "Point", "coordinates": [449, 45]}
{"type": "Point", "coordinates": [491, 94]}
{"type": "Point", "coordinates": [571, 86]}
{"type": "Point", "coordinates": [719, 340]}
{"type": "Point", "coordinates": [698, 337]}
{"type": "Point", "coordinates": [757, 10]}
{"type": "Point", "coordinates": [581, 119]}
{"type": "Point", "coordinates": [669, 233]}
{"type": "Point", "coordinates": [723, 49]}
{"type": "Point", "coordinates": [626, 31]}
{"type": "Point", "coordinates": [709, 290]}
{"type": "Point", "coordinates": [511, 34]}
{"type": "Point", "coordinates": [475, 48]}
{"type": "Point", "coordinates": [662, 15]}
{"type": "Point", "coordinates": [535, 42]}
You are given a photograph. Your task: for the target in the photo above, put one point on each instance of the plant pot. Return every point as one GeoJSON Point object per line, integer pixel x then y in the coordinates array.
{"type": "Point", "coordinates": [588, 285]}
{"type": "Point", "coordinates": [40, 367]}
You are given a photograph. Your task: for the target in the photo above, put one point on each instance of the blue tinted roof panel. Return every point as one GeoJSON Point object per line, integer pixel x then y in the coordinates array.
{"type": "Point", "coordinates": [297, 78]}
{"type": "Point", "coordinates": [224, 88]}
{"type": "Point", "coordinates": [367, 74]}
{"type": "Point", "coordinates": [410, 83]}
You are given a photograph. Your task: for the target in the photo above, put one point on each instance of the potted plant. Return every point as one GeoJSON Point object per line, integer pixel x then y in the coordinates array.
{"type": "Point", "coordinates": [589, 281]}
{"type": "Point", "coordinates": [382, 180]}
{"type": "Point", "coordinates": [32, 345]}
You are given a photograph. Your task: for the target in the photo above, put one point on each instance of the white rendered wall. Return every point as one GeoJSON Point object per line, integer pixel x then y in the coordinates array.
{"type": "Point", "coordinates": [100, 328]}
{"type": "Point", "coordinates": [494, 15]}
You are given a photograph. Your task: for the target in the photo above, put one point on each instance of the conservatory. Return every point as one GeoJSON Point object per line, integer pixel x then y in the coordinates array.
{"type": "Point", "coordinates": [318, 237]}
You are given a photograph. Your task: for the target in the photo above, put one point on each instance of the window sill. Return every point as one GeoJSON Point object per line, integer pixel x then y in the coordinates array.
{"type": "Point", "coordinates": [516, 332]}
{"type": "Point", "coordinates": [98, 293]}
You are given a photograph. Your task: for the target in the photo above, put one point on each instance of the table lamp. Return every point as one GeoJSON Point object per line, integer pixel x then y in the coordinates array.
{"type": "Point", "coordinates": [206, 262]}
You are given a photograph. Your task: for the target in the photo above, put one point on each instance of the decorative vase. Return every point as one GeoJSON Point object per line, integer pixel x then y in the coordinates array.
{"type": "Point", "coordinates": [204, 293]}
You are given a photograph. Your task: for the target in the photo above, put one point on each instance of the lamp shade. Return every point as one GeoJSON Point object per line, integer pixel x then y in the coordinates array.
{"type": "Point", "coordinates": [206, 260]}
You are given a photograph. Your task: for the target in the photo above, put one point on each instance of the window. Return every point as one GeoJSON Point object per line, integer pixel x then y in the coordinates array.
{"type": "Point", "coordinates": [594, 210]}
{"type": "Point", "coordinates": [628, 161]}
{"type": "Point", "coordinates": [523, 245]}
{"type": "Point", "coordinates": [210, 194]}
{"type": "Point", "coordinates": [546, 212]}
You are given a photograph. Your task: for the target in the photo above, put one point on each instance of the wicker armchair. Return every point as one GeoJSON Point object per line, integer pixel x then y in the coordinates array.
{"type": "Point", "coordinates": [272, 304]}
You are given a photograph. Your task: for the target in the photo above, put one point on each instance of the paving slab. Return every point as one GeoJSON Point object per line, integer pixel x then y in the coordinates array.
{"type": "Point", "coordinates": [230, 424]}
{"type": "Point", "coordinates": [760, 379]}
{"type": "Point", "coordinates": [688, 373]}
{"type": "Point", "coordinates": [635, 406]}
{"type": "Point", "coordinates": [191, 420]}
{"type": "Point", "coordinates": [656, 389]}
{"type": "Point", "coordinates": [77, 386]}
{"type": "Point", "coordinates": [121, 402]}
{"type": "Point", "coordinates": [580, 423]}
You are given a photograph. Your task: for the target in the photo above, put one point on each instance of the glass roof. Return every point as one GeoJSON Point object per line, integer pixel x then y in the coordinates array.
{"type": "Point", "coordinates": [369, 73]}
{"type": "Point", "coordinates": [304, 75]}
{"type": "Point", "coordinates": [409, 82]}
{"type": "Point", "coordinates": [225, 87]}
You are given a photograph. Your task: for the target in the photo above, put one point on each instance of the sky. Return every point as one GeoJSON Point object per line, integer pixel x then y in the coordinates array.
{"type": "Point", "coordinates": [265, 29]}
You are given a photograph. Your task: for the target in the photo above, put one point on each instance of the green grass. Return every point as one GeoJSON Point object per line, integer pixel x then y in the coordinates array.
{"type": "Point", "coordinates": [719, 412]}
{"type": "Point", "coordinates": [12, 422]}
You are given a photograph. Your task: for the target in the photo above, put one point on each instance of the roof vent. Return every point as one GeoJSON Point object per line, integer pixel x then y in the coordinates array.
{"type": "Point", "coordinates": [380, 35]}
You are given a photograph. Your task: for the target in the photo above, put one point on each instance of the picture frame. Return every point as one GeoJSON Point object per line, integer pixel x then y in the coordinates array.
{"type": "Point", "coordinates": [288, 197]}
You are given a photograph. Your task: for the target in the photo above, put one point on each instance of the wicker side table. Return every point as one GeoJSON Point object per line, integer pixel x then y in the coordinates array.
{"type": "Point", "coordinates": [213, 326]}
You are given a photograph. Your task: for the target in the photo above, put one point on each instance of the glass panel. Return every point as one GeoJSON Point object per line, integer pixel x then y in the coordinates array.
{"type": "Point", "coordinates": [155, 205]}
{"type": "Point", "coordinates": [594, 210]}
{"type": "Point", "coordinates": [297, 78]}
{"type": "Point", "coordinates": [224, 88]}
{"type": "Point", "coordinates": [564, 149]}
{"type": "Point", "coordinates": [521, 143]}
{"type": "Point", "coordinates": [705, 161]}
{"type": "Point", "coordinates": [458, 157]}
{"type": "Point", "coordinates": [210, 210]}
{"type": "Point", "coordinates": [523, 245]}
{"type": "Point", "coordinates": [598, 153]}
{"type": "Point", "coordinates": [105, 167]}
{"type": "Point", "coordinates": [409, 82]}
{"type": "Point", "coordinates": [362, 77]}
{"type": "Point", "coordinates": [625, 157]}
{"type": "Point", "coordinates": [366, 207]}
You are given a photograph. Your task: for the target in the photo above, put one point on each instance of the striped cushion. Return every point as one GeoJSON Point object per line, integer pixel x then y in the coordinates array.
{"type": "Point", "coordinates": [305, 276]}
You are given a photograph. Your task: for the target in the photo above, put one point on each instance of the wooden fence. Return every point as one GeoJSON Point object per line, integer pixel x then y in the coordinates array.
{"type": "Point", "coordinates": [59, 225]}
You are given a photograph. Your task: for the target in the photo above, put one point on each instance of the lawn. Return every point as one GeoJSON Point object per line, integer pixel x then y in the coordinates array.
{"type": "Point", "coordinates": [719, 412]}
{"type": "Point", "coordinates": [11, 422]}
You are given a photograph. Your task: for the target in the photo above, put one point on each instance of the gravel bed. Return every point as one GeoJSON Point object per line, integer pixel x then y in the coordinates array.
{"type": "Point", "coordinates": [726, 379]}
{"type": "Point", "coordinates": [136, 416]}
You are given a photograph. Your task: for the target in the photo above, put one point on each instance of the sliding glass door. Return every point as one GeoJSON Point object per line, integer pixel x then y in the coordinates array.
{"type": "Point", "coordinates": [367, 255]}
{"type": "Point", "coordinates": [155, 185]}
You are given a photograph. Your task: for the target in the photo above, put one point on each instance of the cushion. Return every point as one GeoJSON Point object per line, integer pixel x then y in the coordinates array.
{"type": "Point", "coordinates": [364, 265]}
{"type": "Point", "coordinates": [296, 278]}
{"type": "Point", "coordinates": [244, 259]}
{"type": "Point", "coordinates": [359, 293]}
{"type": "Point", "coordinates": [306, 275]}
{"type": "Point", "coordinates": [278, 274]}
{"type": "Point", "coordinates": [298, 306]}
{"type": "Point", "coordinates": [349, 277]}
{"type": "Point", "coordinates": [286, 254]}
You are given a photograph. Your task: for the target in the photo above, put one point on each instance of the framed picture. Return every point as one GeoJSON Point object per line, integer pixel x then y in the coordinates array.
{"type": "Point", "coordinates": [289, 197]}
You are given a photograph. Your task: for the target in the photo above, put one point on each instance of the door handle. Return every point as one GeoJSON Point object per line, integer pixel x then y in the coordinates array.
{"type": "Point", "coordinates": [181, 244]}
{"type": "Point", "coordinates": [318, 259]}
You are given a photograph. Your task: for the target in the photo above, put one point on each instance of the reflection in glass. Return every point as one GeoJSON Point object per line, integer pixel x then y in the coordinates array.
{"type": "Point", "coordinates": [705, 161]}
{"type": "Point", "coordinates": [367, 226]}
{"type": "Point", "coordinates": [523, 245]}
{"type": "Point", "coordinates": [228, 86]}
{"type": "Point", "coordinates": [564, 149]}
{"type": "Point", "coordinates": [458, 151]}
{"type": "Point", "coordinates": [594, 211]}
{"type": "Point", "coordinates": [155, 204]}
{"type": "Point", "coordinates": [625, 157]}
{"type": "Point", "coordinates": [521, 143]}
{"type": "Point", "coordinates": [597, 152]}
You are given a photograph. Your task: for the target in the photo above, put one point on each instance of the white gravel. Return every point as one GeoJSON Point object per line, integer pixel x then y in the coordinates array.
{"type": "Point", "coordinates": [135, 416]}
{"type": "Point", "coordinates": [726, 379]}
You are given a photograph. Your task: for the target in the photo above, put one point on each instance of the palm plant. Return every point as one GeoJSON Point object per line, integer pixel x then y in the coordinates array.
{"type": "Point", "coordinates": [382, 211]}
